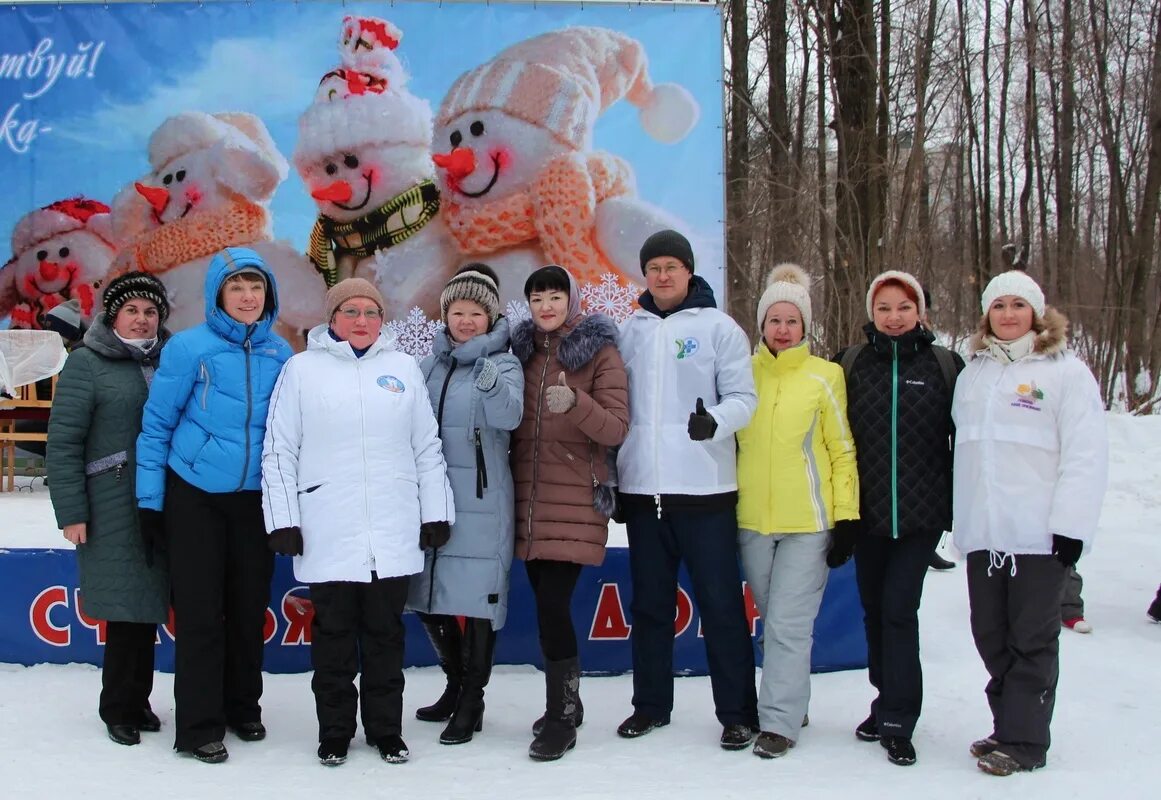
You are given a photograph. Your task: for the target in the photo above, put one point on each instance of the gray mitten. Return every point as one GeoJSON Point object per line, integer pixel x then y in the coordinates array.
{"type": "Point", "coordinates": [484, 374]}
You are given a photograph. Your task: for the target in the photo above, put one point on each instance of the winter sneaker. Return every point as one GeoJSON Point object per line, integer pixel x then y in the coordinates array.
{"type": "Point", "coordinates": [981, 747]}
{"type": "Point", "coordinates": [639, 724]}
{"type": "Point", "coordinates": [899, 750]}
{"type": "Point", "coordinates": [736, 737]}
{"type": "Point", "coordinates": [578, 718]}
{"type": "Point", "coordinates": [1000, 763]}
{"type": "Point", "coordinates": [868, 730]}
{"type": "Point", "coordinates": [124, 734]}
{"type": "Point", "coordinates": [392, 749]}
{"type": "Point", "coordinates": [211, 753]}
{"type": "Point", "coordinates": [940, 563]}
{"type": "Point", "coordinates": [771, 745]}
{"type": "Point", "coordinates": [1078, 624]}
{"type": "Point", "coordinates": [332, 752]}
{"type": "Point", "coordinates": [249, 731]}
{"type": "Point", "coordinates": [149, 721]}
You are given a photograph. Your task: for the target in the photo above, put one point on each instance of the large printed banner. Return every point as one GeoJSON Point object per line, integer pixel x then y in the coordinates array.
{"type": "Point", "coordinates": [42, 620]}
{"type": "Point", "coordinates": [394, 142]}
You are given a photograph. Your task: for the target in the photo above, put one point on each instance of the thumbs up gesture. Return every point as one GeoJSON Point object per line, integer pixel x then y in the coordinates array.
{"type": "Point", "coordinates": [702, 425]}
{"type": "Point", "coordinates": [559, 397]}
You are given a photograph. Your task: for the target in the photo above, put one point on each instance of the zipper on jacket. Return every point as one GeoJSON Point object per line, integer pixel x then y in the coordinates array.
{"type": "Point", "coordinates": [206, 391]}
{"type": "Point", "coordinates": [481, 467]}
{"type": "Point", "coordinates": [431, 581]}
{"type": "Point", "coordinates": [536, 438]}
{"type": "Point", "coordinates": [249, 411]}
{"type": "Point", "coordinates": [661, 345]}
{"type": "Point", "coordinates": [363, 452]}
{"type": "Point", "coordinates": [442, 398]}
{"type": "Point", "coordinates": [894, 440]}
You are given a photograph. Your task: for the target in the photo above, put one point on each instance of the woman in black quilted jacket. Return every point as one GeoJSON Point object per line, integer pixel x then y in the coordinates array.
{"type": "Point", "coordinates": [899, 389]}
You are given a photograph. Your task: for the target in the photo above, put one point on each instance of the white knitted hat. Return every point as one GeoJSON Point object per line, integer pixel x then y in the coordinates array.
{"type": "Point", "coordinates": [563, 80]}
{"type": "Point", "coordinates": [902, 277]}
{"type": "Point", "coordinates": [1014, 282]}
{"type": "Point", "coordinates": [788, 283]}
{"type": "Point", "coordinates": [364, 100]}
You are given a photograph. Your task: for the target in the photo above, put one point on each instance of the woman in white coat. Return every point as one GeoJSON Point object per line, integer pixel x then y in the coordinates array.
{"type": "Point", "coordinates": [1031, 461]}
{"type": "Point", "coordinates": [354, 486]}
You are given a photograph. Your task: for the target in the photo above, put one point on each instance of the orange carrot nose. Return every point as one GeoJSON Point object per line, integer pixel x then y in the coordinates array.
{"type": "Point", "coordinates": [49, 270]}
{"type": "Point", "coordinates": [459, 163]}
{"type": "Point", "coordinates": [157, 198]}
{"type": "Point", "coordinates": [337, 192]}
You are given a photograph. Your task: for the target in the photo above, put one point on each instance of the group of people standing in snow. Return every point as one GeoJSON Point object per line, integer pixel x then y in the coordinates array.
{"type": "Point", "coordinates": [397, 485]}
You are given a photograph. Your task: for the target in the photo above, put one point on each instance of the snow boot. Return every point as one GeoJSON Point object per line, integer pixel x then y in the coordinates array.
{"type": "Point", "coordinates": [1002, 765]}
{"type": "Point", "coordinates": [124, 734]}
{"type": "Point", "coordinates": [1078, 624]}
{"type": "Point", "coordinates": [736, 736]}
{"type": "Point", "coordinates": [445, 636]}
{"type": "Point", "coordinates": [479, 648]}
{"type": "Point", "coordinates": [981, 747]}
{"type": "Point", "coordinates": [1154, 611]}
{"type": "Point", "coordinates": [899, 750]}
{"type": "Point", "coordinates": [558, 736]}
{"type": "Point", "coordinates": [578, 718]}
{"type": "Point", "coordinates": [639, 724]}
{"type": "Point", "coordinates": [940, 563]}
{"type": "Point", "coordinates": [392, 748]}
{"type": "Point", "coordinates": [771, 745]}
{"type": "Point", "coordinates": [868, 730]}
{"type": "Point", "coordinates": [333, 752]}
{"type": "Point", "coordinates": [149, 721]}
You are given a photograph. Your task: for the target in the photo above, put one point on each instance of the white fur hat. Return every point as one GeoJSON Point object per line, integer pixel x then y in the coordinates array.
{"type": "Point", "coordinates": [1015, 282]}
{"type": "Point", "coordinates": [364, 101]}
{"type": "Point", "coordinates": [788, 283]}
{"type": "Point", "coordinates": [63, 216]}
{"type": "Point", "coordinates": [902, 277]}
{"type": "Point", "coordinates": [562, 80]}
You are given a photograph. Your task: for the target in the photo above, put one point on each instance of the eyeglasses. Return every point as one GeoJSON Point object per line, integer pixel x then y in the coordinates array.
{"type": "Point", "coordinates": [667, 270]}
{"type": "Point", "coordinates": [371, 314]}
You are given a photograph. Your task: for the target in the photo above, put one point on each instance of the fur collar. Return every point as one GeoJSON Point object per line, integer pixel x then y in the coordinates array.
{"type": "Point", "coordinates": [1049, 342]}
{"type": "Point", "coordinates": [576, 347]}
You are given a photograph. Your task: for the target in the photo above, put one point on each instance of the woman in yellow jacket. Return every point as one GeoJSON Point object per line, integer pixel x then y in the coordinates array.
{"type": "Point", "coordinates": [797, 481]}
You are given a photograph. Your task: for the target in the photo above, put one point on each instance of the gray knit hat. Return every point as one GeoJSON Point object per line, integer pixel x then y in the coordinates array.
{"type": "Point", "coordinates": [477, 283]}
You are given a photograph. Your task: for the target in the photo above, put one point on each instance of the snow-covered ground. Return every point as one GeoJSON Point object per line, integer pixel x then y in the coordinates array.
{"type": "Point", "coordinates": [1108, 713]}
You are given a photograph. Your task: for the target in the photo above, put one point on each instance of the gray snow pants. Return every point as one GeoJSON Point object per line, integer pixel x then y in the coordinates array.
{"type": "Point", "coordinates": [1015, 619]}
{"type": "Point", "coordinates": [1072, 606]}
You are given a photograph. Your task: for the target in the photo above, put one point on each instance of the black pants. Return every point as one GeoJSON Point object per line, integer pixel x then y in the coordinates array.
{"type": "Point", "coordinates": [220, 570]}
{"type": "Point", "coordinates": [707, 541]}
{"type": "Point", "coordinates": [890, 575]}
{"type": "Point", "coordinates": [553, 583]}
{"type": "Point", "coordinates": [358, 629]}
{"type": "Point", "coordinates": [127, 674]}
{"type": "Point", "coordinates": [1016, 626]}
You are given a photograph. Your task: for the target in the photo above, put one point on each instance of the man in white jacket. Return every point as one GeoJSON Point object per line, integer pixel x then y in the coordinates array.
{"type": "Point", "coordinates": [355, 487]}
{"type": "Point", "coordinates": [690, 389]}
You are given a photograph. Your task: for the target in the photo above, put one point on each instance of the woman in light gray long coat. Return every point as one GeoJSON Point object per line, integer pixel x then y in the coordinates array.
{"type": "Point", "coordinates": [477, 391]}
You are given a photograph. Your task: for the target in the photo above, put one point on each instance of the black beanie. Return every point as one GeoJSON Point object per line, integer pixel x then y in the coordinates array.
{"type": "Point", "coordinates": [134, 284]}
{"type": "Point", "coordinates": [667, 243]}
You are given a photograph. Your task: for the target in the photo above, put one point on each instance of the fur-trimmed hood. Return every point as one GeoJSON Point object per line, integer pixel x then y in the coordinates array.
{"type": "Point", "coordinates": [1049, 342]}
{"type": "Point", "coordinates": [578, 344]}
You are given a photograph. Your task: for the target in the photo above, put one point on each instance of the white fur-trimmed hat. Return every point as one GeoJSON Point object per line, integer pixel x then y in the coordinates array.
{"type": "Point", "coordinates": [63, 216]}
{"type": "Point", "coordinates": [364, 100]}
{"type": "Point", "coordinates": [902, 277]}
{"type": "Point", "coordinates": [788, 283]}
{"type": "Point", "coordinates": [1014, 282]}
{"type": "Point", "coordinates": [562, 80]}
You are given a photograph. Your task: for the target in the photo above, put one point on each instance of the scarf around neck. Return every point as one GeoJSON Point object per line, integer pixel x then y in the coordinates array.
{"type": "Point", "coordinates": [1013, 351]}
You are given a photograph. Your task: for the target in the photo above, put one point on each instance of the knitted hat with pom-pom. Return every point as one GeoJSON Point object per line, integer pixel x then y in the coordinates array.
{"type": "Point", "coordinates": [788, 283]}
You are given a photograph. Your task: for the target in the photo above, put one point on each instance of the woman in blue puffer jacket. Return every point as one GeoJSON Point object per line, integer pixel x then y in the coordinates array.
{"type": "Point", "coordinates": [199, 462]}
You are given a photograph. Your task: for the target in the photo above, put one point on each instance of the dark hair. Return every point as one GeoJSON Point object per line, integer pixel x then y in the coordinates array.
{"type": "Point", "coordinates": [926, 298]}
{"type": "Point", "coordinates": [482, 268]}
{"type": "Point", "coordinates": [547, 279]}
{"type": "Point", "coordinates": [904, 287]}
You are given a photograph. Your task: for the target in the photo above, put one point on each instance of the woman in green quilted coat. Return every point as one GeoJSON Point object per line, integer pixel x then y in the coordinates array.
{"type": "Point", "coordinates": [92, 435]}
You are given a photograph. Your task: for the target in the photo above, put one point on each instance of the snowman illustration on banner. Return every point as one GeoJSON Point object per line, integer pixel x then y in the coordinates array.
{"type": "Point", "coordinates": [60, 252]}
{"type": "Point", "coordinates": [212, 178]}
{"type": "Point", "coordinates": [521, 183]}
{"type": "Point", "coordinates": [364, 153]}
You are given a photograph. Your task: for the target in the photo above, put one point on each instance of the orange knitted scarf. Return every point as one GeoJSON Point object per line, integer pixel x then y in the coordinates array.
{"type": "Point", "coordinates": [194, 236]}
{"type": "Point", "coordinates": [558, 210]}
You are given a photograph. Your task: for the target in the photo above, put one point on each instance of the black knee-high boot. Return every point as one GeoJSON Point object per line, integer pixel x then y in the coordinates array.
{"type": "Point", "coordinates": [479, 648]}
{"type": "Point", "coordinates": [445, 636]}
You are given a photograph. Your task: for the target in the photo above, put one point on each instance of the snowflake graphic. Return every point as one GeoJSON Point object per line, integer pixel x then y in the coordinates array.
{"type": "Point", "coordinates": [517, 311]}
{"type": "Point", "coordinates": [610, 296]}
{"type": "Point", "coordinates": [415, 332]}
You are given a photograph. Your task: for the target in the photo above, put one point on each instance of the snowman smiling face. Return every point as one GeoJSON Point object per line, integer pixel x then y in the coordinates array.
{"type": "Point", "coordinates": [350, 184]}
{"type": "Point", "coordinates": [491, 155]}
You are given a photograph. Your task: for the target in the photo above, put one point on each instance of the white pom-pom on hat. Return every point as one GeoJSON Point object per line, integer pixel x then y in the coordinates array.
{"type": "Point", "coordinates": [788, 283]}
{"type": "Point", "coordinates": [669, 114]}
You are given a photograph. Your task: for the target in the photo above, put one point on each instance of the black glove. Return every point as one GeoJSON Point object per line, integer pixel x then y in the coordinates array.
{"type": "Point", "coordinates": [842, 542]}
{"type": "Point", "coordinates": [701, 424]}
{"type": "Point", "coordinates": [434, 534]}
{"type": "Point", "coordinates": [287, 541]}
{"type": "Point", "coordinates": [152, 525]}
{"type": "Point", "coordinates": [1067, 551]}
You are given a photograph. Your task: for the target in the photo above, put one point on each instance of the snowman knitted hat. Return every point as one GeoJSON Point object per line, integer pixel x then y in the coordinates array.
{"type": "Point", "coordinates": [63, 216]}
{"type": "Point", "coordinates": [477, 283]}
{"type": "Point", "coordinates": [363, 101]}
{"type": "Point", "coordinates": [1015, 282]}
{"type": "Point", "coordinates": [562, 80]}
{"type": "Point", "coordinates": [191, 131]}
{"type": "Point", "coordinates": [897, 276]}
{"type": "Point", "coordinates": [788, 283]}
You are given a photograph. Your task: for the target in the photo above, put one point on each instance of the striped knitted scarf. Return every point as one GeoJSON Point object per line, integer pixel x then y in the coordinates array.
{"type": "Point", "coordinates": [397, 220]}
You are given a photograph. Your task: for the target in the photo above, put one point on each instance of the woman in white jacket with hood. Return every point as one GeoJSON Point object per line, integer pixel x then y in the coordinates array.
{"type": "Point", "coordinates": [1031, 461]}
{"type": "Point", "coordinates": [354, 486]}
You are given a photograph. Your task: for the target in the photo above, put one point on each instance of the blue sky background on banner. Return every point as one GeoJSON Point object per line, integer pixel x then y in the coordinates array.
{"type": "Point", "coordinates": [266, 58]}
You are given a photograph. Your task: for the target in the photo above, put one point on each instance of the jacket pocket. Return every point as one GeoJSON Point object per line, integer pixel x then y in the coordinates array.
{"type": "Point", "coordinates": [106, 464]}
{"type": "Point", "coordinates": [579, 464]}
{"type": "Point", "coordinates": [311, 489]}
